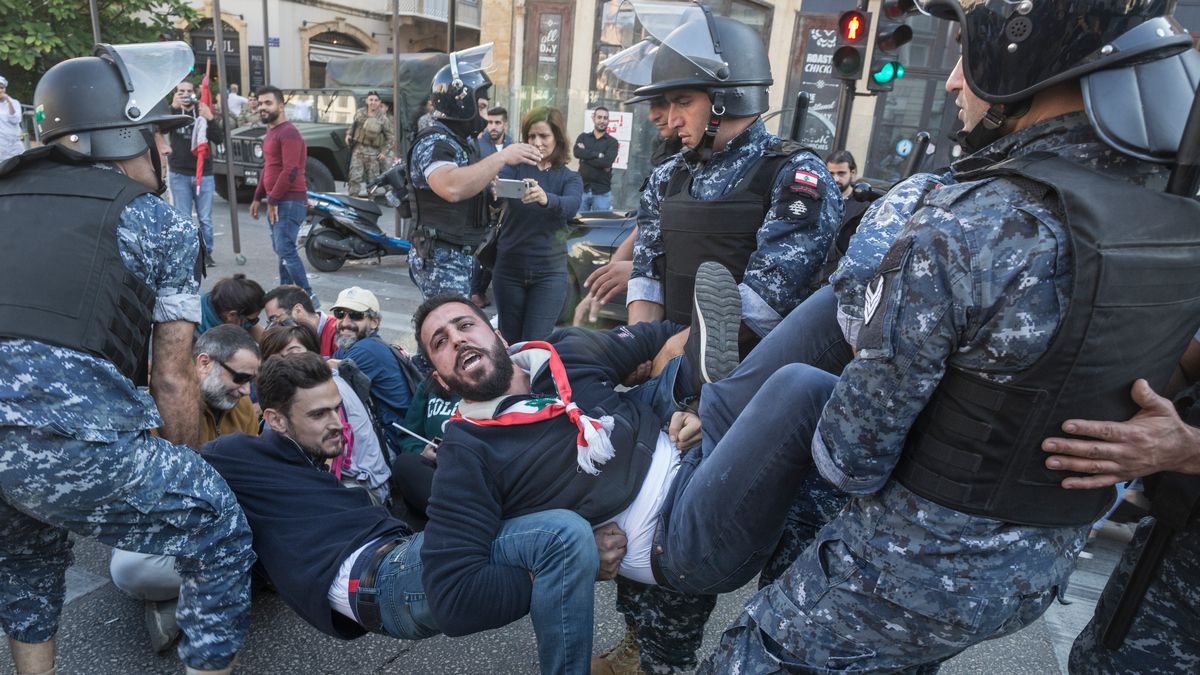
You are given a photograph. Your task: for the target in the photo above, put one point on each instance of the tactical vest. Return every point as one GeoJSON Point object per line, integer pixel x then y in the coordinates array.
{"type": "Point", "coordinates": [459, 224]}
{"type": "Point", "coordinates": [1133, 307]}
{"type": "Point", "coordinates": [724, 230]}
{"type": "Point", "coordinates": [62, 280]}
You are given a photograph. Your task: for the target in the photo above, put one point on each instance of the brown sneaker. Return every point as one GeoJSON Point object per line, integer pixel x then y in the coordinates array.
{"type": "Point", "coordinates": [622, 659]}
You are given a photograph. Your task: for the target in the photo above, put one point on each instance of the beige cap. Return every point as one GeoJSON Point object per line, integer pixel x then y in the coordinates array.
{"type": "Point", "coordinates": [357, 299]}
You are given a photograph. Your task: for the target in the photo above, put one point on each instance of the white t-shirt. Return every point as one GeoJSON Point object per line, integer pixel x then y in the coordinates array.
{"type": "Point", "coordinates": [638, 520]}
{"type": "Point", "coordinates": [339, 590]}
{"type": "Point", "coordinates": [10, 129]}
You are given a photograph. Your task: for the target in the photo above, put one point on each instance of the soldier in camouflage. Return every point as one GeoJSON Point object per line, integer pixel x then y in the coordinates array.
{"type": "Point", "coordinates": [900, 581]}
{"type": "Point", "coordinates": [76, 455]}
{"type": "Point", "coordinates": [450, 182]}
{"type": "Point", "coordinates": [373, 139]}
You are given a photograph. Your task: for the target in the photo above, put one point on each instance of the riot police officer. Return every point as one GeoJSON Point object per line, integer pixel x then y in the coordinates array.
{"type": "Point", "coordinates": [738, 195]}
{"type": "Point", "coordinates": [449, 181]}
{"type": "Point", "coordinates": [1004, 308]}
{"type": "Point", "coordinates": [76, 454]}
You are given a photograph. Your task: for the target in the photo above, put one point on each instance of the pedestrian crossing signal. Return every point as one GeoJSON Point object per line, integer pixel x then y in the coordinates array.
{"type": "Point", "coordinates": [850, 56]}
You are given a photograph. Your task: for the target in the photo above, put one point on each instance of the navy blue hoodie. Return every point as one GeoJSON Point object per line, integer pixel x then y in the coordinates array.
{"type": "Point", "coordinates": [487, 474]}
{"type": "Point", "coordinates": [304, 522]}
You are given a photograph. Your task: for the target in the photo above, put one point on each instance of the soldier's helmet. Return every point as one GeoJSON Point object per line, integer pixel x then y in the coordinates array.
{"type": "Point", "coordinates": [1012, 49]}
{"type": "Point", "coordinates": [107, 106]}
{"type": "Point", "coordinates": [459, 85]}
{"type": "Point", "coordinates": [721, 56]}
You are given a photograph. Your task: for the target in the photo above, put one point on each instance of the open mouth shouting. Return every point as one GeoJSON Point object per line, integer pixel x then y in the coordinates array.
{"type": "Point", "coordinates": [469, 359]}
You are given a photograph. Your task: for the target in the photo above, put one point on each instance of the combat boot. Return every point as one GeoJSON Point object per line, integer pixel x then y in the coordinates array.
{"type": "Point", "coordinates": [623, 659]}
{"type": "Point", "coordinates": [712, 345]}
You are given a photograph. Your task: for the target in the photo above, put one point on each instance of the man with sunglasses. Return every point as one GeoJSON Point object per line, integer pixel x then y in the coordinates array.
{"type": "Point", "coordinates": [357, 339]}
{"type": "Point", "coordinates": [227, 361]}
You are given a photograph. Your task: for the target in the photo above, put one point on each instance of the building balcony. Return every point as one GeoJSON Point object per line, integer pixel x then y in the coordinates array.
{"type": "Point", "coordinates": [437, 10]}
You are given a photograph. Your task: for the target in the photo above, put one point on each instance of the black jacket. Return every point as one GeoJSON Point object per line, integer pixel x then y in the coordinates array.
{"type": "Point", "coordinates": [487, 474]}
{"type": "Point", "coordinates": [182, 160]}
{"type": "Point", "coordinates": [595, 170]}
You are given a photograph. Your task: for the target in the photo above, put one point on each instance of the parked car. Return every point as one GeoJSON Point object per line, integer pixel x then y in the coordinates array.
{"type": "Point", "coordinates": [592, 238]}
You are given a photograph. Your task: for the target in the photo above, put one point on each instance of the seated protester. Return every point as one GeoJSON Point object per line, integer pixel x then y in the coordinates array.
{"type": "Point", "coordinates": [511, 450]}
{"type": "Point", "coordinates": [412, 469]}
{"type": "Point", "coordinates": [348, 567]}
{"type": "Point", "coordinates": [233, 300]}
{"type": "Point", "coordinates": [362, 463]}
{"type": "Point", "coordinates": [291, 302]}
{"type": "Point", "coordinates": [227, 361]}
{"type": "Point", "coordinates": [357, 312]}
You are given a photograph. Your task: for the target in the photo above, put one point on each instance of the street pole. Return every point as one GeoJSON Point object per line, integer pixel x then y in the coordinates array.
{"type": "Point", "coordinates": [451, 23]}
{"type": "Point", "coordinates": [266, 47]}
{"type": "Point", "coordinates": [398, 128]}
{"type": "Point", "coordinates": [95, 21]}
{"type": "Point", "coordinates": [231, 184]}
{"type": "Point", "coordinates": [845, 103]}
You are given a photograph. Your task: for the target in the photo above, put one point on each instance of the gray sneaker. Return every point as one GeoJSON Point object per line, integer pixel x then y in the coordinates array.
{"type": "Point", "coordinates": [712, 346]}
{"type": "Point", "coordinates": [161, 624]}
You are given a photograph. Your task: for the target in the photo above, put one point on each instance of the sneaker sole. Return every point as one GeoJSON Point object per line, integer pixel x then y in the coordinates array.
{"type": "Point", "coordinates": [717, 311]}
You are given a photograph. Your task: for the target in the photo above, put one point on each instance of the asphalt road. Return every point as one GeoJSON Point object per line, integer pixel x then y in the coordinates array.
{"type": "Point", "coordinates": [102, 630]}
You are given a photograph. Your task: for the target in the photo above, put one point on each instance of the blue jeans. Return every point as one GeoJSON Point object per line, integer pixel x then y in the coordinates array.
{"type": "Point", "coordinates": [756, 447]}
{"type": "Point", "coordinates": [283, 241]}
{"type": "Point", "coordinates": [557, 547]}
{"type": "Point", "coordinates": [594, 202]}
{"type": "Point", "coordinates": [529, 301]}
{"type": "Point", "coordinates": [183, 192]}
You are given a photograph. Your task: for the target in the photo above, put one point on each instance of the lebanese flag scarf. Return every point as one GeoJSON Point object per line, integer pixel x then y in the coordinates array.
{"type": "Point", "coordinates": [592, 443]}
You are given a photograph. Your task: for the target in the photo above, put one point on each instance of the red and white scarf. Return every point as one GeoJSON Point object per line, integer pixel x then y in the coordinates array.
{"type": "Point", "coordinates": [592, 443]}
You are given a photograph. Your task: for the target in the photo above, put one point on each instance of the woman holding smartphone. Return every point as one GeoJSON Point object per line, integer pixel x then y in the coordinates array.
{"type": "Point", "coordinates": [530, 278]}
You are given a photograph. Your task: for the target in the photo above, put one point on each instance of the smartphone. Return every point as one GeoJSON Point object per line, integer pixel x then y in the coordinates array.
{"type": "Point", "coordinates": [514, 189]}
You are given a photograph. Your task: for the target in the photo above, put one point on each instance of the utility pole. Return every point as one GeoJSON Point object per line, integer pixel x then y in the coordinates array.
{"type": "Point", "coordinates": [231, 184]}
{"type": "Point", "coordinates": [95, 22]}
{"type": "Point", "coordinates": [451, 23]}
{"type": "Point", "coordinates": [266, 47]}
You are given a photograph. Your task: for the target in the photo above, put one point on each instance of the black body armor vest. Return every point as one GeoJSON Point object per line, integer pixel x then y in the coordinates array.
{"type": "Point", "coordinates": [62, 280]}
{"type": "Point", "coordinates": [724, 230]}
{"type": "Point", "coordinates": [459, 224]}
{"type": "Point", "coordinates": [1134, 305]}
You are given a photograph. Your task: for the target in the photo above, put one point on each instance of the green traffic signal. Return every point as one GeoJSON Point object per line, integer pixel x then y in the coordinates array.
{"type": "Point", "coordinates": [887, 72]}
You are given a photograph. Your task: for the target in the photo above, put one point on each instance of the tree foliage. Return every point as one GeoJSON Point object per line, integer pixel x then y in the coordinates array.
{"type": "Point", "coordinates": [37, 34]}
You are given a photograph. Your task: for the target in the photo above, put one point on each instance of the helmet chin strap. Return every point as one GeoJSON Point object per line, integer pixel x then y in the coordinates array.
{"type": "Point", "coordinates": [704, 149]}
{"type": "Point", "coordinates": [155, 159]}
{"type": "Point", "coordinates": [991, 127]}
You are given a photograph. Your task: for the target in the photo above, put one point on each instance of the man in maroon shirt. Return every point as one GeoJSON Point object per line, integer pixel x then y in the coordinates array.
{"type": "Point", "coordinates": [282, 184]}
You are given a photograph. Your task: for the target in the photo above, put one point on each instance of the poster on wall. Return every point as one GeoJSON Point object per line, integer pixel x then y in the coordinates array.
{"type": "Point", "coordinates": [620, 127]}
{"type": "Point", "coordinates": [812, 72]}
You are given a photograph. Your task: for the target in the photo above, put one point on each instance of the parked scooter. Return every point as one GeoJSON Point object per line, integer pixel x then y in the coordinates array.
{"type": "Point", "coordinates": [342, 228]}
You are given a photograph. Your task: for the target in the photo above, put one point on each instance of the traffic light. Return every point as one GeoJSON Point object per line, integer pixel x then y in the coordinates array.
{"type": "Point", "coordinates": [848, 59]}
{"type": "Point", "coordinates": [893, 33]}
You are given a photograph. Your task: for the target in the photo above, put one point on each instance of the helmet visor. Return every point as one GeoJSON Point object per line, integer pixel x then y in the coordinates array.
{"type": "Point", "coordinates": [152, 70]}
{"type": "Point", "coordinates": [473, 60]}
{"type": "Point", "coordinates": [685, 28]}
{"type": "Point", "coordinates": [632, 65]}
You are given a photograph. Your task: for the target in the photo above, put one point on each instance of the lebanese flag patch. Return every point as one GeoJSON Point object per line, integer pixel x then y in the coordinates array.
{"type": "Point", "coordinates": [806, 182]}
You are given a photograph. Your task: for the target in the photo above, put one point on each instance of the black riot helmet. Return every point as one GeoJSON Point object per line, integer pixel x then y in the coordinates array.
{"type": "Point", "coordinates": [1013, 49]}
{"type": "Point", "coordinates": [459, 85]}
{"type": "Point", "coordinates": [108, 106]}
{"type": "Point", "coordinates": [721, 56]}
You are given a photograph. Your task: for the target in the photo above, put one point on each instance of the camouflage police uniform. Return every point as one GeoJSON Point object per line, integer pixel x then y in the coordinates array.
{"type": "Point", "coordinates": [1163, 637]}
{"type": "Point", "coordinates": [372, 136]}
{"type": "Point", "coordinates": [792, 243]}
{"type": "Point", "coordinates": [896, 581]}
{"type": "Point", "coordinates": [76, 456]}
{"type": "Point", "coordinates": [438, 267]}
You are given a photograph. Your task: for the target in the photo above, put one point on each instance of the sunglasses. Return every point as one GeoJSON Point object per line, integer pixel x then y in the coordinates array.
{"type": "Point", "coordinates": [238, 377]}
{"type": "Point", "coordinates": [354, 316]}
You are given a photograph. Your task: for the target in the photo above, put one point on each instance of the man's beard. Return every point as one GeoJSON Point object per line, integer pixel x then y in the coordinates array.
{"type": "Point", "coordinates": [269, 118]}
{"type": "Point", "coordinates": [496, 135]}
{"type": "Point", "coordinates": [492, 385]}
{"type": "Point", "coordinates": [216, 395]}
{"type": "Point", "coordinates": [322, 453]}
{"type": "Point", "coordinates": [344, 341]}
